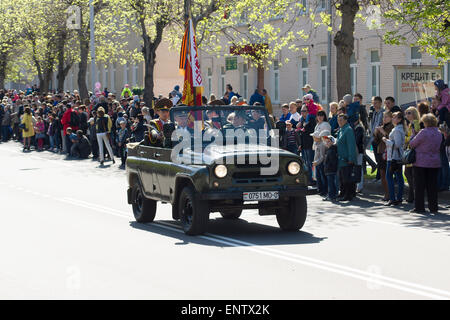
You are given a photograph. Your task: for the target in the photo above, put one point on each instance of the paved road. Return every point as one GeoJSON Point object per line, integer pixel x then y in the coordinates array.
{"type": "Point", "coordinates": [66, 231]}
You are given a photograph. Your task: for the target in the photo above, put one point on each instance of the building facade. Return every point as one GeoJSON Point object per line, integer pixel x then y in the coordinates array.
{"type": "Point", "coordinates": [372, 67]}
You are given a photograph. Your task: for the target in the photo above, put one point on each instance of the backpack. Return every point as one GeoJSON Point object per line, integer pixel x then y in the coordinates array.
{"type": "Point", "coordinates": [74, 119]}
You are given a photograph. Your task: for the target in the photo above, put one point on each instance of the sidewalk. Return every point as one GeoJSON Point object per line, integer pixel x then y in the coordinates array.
{"type": "Point", "coordinates": [373, 186]}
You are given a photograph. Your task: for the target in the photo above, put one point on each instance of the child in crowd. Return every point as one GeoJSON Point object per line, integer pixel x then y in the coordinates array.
{"type": "Point", "coordinates": [331, 166]}
{"type": "Point", "coordinates": [290, 139]}
{"type": "Point", "coordinates": [122, 139]}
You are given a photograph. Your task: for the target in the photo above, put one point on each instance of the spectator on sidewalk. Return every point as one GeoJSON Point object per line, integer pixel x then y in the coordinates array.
{"type": "Point", "coordinates": [363, 116]}
{"type": "Point", "coordinates": [319, 156]}
{"type": "Point", "coordinates": [375, 120]}
{"type": "Point", "coordinates": [290, 141]}
{"type": "Point", "coordinates": [346, 146]}
{"type": "Point", "coordinates": [81, 147]}
{"type": "Point", "coordinates": [394, 169]}
{"type": "Point", "coordinates": [92, 133]}
{"type": "Point", "coordinates": [389, 103]}
{"type": "Point", "coordinates": [285, 113]}
{"type": "Point", "coordinates": [256, 97]}
{"type": "Point", "coordinates": [412, 115]}
{"type": "Point", "coordinates": [307, 90]}
{"type": "Point", "coordinates": [103, 129]}
{"type": "Point", "coordinates": [27, 128]}
{"type": "Point", "coordinates": [304, 130]}
{"type": "Point", "coordinates": [332, 117]}
{"type": "Point", "coordinates": [331, 167]}
{"type": "Point", "coordinates": [122, 139]}
{"type": "Point", "coordinates": [380, 133]}
{"type": "Point", "coordinates": [427, 145]}
{"type": "Point", "coordinates": [267, 102]}
{"type": "Point", "coordinates": [6, 124]}
{"type": "Point", "coordinates": [359, 139]}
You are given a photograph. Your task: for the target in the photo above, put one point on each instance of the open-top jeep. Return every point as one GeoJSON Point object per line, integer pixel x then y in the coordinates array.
{"type": "Point", "coordinates": [217, 159]}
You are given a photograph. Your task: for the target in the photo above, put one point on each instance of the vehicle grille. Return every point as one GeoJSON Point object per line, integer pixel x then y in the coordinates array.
{"type": "Point", "coordinates": [254, 177]}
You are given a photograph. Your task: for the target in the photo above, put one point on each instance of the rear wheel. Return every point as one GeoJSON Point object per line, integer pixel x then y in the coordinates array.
{"type": "Point", "coordinates": [144, 209]}
{"type": "Point", "coordinates": [193, 213]}
{"type": "Point", "coordinates": [293, 217]}
{"type": "Point", "coordinates": [231, 214]}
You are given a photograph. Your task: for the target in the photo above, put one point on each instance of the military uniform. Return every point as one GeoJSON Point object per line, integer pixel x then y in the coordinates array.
{"type": "Point", "coordinates": [155, 136]}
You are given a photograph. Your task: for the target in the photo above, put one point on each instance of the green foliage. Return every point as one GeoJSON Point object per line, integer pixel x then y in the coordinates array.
{"type": "Point", "coordinates": [420, 23]}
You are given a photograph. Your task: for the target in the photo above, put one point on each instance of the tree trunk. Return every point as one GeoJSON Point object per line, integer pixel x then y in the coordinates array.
{"type": "Point", "coordinates": [150, 61]}
{"type": "Point", "coordinates": [44, 82]}
{"type": "Point", "coordinates": [260, 76]}
{"type": "Point", "coordinates": [3, 64]}
{"type": "Point", "coordinates": [82, 69]}
{"type": "Point", "coordinates": [344, 42]}
{"type": "Point", "coordinates": [61, 75]}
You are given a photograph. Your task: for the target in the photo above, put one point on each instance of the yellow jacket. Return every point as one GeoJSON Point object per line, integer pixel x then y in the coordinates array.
{"type": "Point", "coordinates": [27, 119]}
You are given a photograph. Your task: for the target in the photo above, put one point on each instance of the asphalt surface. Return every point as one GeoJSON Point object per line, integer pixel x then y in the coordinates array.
{"type": "Point", "coordinates": [67, 232]}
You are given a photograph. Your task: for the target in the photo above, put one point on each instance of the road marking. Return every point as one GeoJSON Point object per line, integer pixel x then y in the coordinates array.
{"type": "Point", "coordinates": [401, 285]}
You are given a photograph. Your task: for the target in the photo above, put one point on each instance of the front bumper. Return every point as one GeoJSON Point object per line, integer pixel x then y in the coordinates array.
{"type": "Point", "coordinates": [237, 195]}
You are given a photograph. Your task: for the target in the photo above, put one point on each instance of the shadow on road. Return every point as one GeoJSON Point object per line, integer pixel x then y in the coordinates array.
{"type": "Point", "coordinates": [371, 206]}
{"type": "Point", "coordinates": [242, 230]}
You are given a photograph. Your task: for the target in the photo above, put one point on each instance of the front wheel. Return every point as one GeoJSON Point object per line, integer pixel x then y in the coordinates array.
{"type": "Point", "coordinates": [144, 209]}
{"type": "Point", "coordinates": [193, 213]}
{"type": "Point", "coordinates": [293, 217]}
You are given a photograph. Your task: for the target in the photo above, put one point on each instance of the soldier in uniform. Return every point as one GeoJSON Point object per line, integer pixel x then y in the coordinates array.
{"type": "Point", "coordinates": [155, 136]}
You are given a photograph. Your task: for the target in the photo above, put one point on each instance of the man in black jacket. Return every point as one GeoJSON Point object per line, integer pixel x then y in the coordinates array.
{"type": "Point", "coordinates": [305, 140]}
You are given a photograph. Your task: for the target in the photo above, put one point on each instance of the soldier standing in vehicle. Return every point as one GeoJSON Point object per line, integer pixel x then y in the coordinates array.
{"type": "Point", "coordinates": [155, 130]}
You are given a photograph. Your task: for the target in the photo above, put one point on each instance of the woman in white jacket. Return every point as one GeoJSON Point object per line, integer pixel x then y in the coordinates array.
{"type": "Point", "coordinates": [394, 153]}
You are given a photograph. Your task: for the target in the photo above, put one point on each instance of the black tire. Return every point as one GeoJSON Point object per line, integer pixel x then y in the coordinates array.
{"type": "Point", "coordinates": [293, 217]}
{"type": "Point", "coordinates": [231, 215]}
{"type": "Point", "coordinates": [194, 214]}
{"type": "Point", "coordinates": [144, 209]}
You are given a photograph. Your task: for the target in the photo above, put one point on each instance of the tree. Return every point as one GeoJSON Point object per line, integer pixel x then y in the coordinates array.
{"type": "Point", "coordinates": [10, 28]}
{"type": "Point", "coordinates": [425, 24]}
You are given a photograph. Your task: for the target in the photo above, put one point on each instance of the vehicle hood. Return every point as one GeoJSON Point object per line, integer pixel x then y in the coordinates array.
{"type": "Point", "coordinates": [214, 153]}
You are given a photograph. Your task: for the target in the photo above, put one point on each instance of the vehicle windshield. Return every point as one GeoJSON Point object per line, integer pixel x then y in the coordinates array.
{"type": "Point", "coordinates": [226, 119]}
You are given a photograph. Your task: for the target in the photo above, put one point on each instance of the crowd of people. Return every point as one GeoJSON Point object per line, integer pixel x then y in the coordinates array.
{"type": "Point", "coordinates": [64, 123]}
{"type": "Point", "coordinates": [414, 142]}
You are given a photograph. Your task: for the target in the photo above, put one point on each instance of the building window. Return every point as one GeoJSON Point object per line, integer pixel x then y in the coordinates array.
{"type": "Point", "coordinates": [323, 78]}
{"type": "Point", "coordinates": [276, 81]}
{"type": "Point", "coordinates": [303, 76]}
{"type": "Point", "coordinates": [416, 56]}
{"type": "Point", "coordinates": [321, 5]}
{"type": "Point", "coordinates": [374, 73]}
{"type": "Point", "coordinates": [304, 6]}
{"type": "Point", "coordinates": [353, 73]}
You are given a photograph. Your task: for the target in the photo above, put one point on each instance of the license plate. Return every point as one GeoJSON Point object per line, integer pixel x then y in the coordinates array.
{"type": "Point", "coordinates": [260, 196]}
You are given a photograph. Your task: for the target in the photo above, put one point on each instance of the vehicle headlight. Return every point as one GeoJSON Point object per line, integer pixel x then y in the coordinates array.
{"type": "Point", "coordinates": [220, 171]}
{"type": "Point", "coordinates": [293, 168]}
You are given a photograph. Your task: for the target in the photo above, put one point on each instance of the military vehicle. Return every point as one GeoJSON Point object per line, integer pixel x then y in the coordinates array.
{"type": "Point", "coordinates": [217, 159]}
